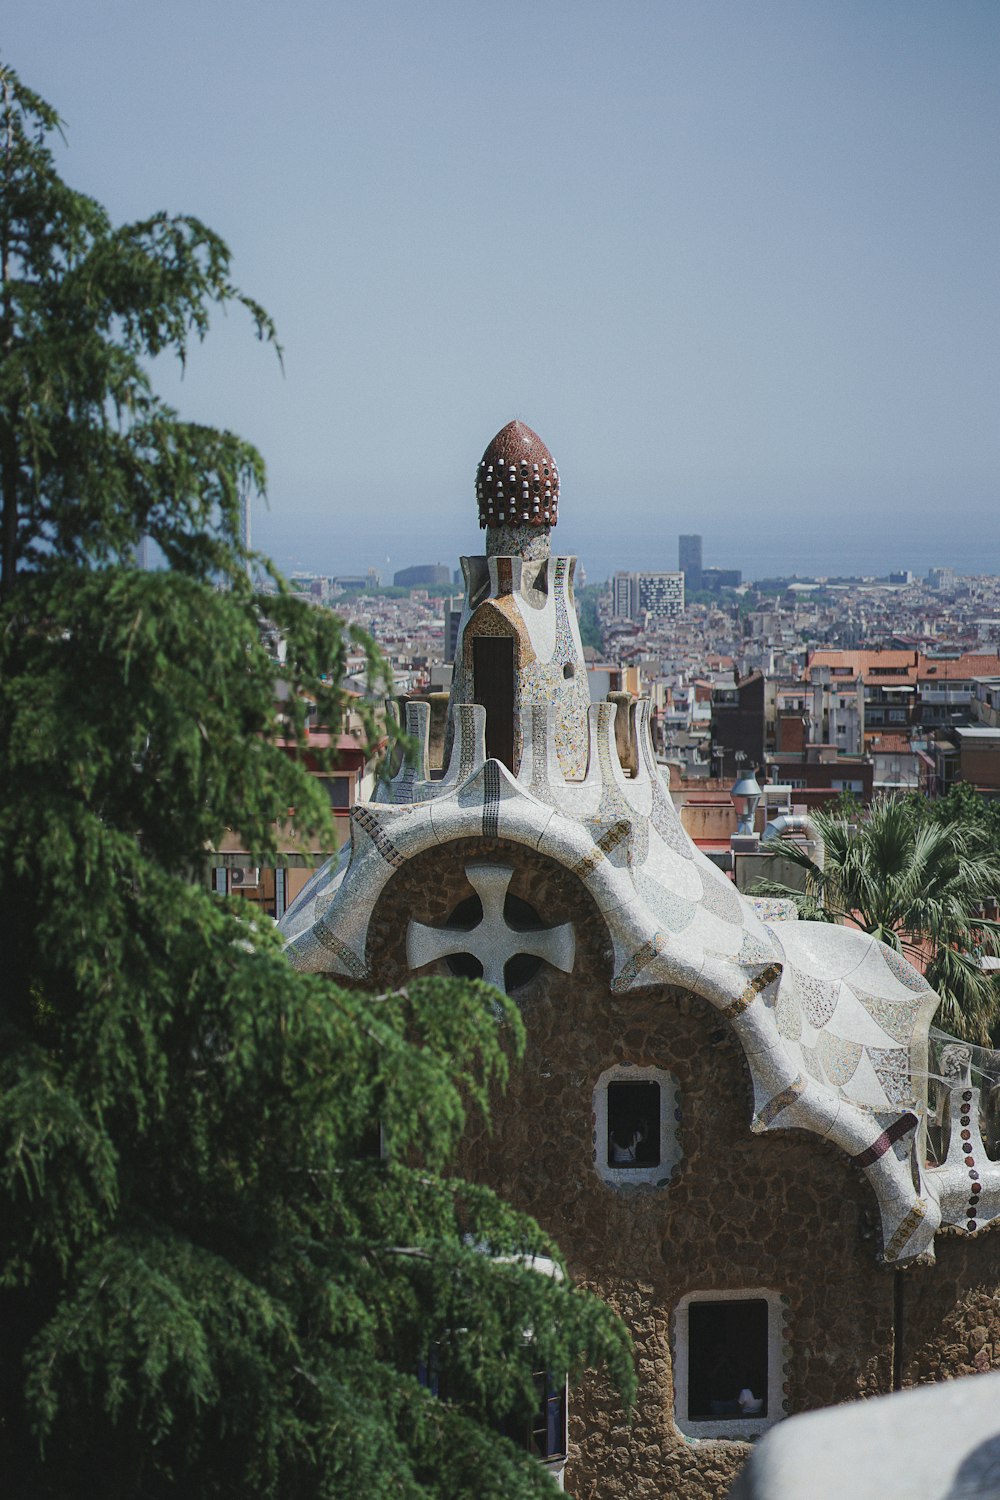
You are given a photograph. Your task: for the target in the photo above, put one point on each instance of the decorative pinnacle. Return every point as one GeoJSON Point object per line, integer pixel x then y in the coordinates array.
{"type": "Point", "coordinates": [517, 482]}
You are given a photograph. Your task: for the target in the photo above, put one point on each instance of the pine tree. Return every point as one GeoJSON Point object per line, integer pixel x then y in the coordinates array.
{"type": "Point", "coordinates": [207, 1281]}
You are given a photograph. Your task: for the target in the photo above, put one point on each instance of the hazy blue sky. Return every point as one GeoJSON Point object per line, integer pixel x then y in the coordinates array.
{"type": "Point", "coordinates": [735, 260]}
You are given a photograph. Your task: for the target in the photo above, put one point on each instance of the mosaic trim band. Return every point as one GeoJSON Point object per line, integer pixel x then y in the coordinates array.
{"type": "Point", "coordinates": [969, 1097]}
{"type": "Point", "coordinates": [758, 983]}
{"type": "Point", "coordinates": [491, 799]}
{"type": "Point", "coordinates": [774, 1107]}
{"type": "Point", "coordinates": [638, 961]}
{"type": "Point", "coordinates": [893, 1132]}
{"type": "Point", "coordinates": [355, 966]}
{"type": "Point", "coordinates": [904, 1230]}
{"type": "Point", "coordinates": [367, 821]}
{"type": "Point", "coordinates": [602, 848]}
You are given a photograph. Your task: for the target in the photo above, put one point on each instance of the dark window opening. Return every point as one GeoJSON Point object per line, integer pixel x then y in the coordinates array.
{"type": "Point", "coordinates": [338, 789]}
{"type": "Point", "coordinates": [428, 1373]}
{"type": "Point", "coordinates": [633, 1124]}
{"type": "Point", "coordinates": [543, 1434]}
{"type": "Point", "coordinates": [518, 970]}
{"type": "Point", "coordinates": [464, 965]}
{"type": "Point", "coordinates": [520, 916]}
{"type": "Point", "coordinates": [727, 1359]}
{"type": "Point", "coordinates": [370, 1143]}
{"type": "Point", "coordinates": [493, 685]}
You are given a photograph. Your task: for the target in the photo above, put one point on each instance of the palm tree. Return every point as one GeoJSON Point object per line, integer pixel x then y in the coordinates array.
{"type": "Point", "coordinates": [919, 885]}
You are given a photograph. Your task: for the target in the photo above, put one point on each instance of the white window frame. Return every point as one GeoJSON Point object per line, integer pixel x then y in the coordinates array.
{"type": "Point", "coordinates": [739, 1428]}
{"type": "Point", "coordinates": [670, 1146]}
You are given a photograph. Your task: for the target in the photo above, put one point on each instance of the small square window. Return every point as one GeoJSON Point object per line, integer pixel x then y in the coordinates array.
{"type": "Point", "coordinates": [543, 1434]}
{"type": "Point", "coordinates": [636, 1118]}
{"type": "Point", "coordinates": [338, 790]}
{"type": "Point", "coordinates": [729, 1358]}
{"type": "Point", "coordinates": [633, 1125]}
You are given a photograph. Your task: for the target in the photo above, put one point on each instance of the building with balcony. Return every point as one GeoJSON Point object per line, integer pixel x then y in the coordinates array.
{"type": "Point", "coordinates": [986, 701]}
{"type": "Point", "coordinates": [946, 689]}
{"type": "Point", "coordinates": [889, 681]}
{"type": "Point", "coordinates": [647, 597]}
{"type": "Point", "coordinates": [898, 767]}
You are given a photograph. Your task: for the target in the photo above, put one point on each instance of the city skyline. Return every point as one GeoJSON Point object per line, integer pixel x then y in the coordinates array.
{"type": "Point", "coordinates": [736, 265]}
{"type": "Point", "coordinates": [646, 562]}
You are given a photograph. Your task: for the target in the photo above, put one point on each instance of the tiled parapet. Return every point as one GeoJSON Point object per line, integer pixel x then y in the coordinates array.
{"type": "Point", "coordinates": [467, 752]}
{"type": "Point", "coordinates": [603, 794]}
{"type": "Point", "coordinates": [413, 776]}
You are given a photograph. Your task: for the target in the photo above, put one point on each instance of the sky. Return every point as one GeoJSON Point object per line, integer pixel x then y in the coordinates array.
{"type": "Point", "coordinates": [736, 261]}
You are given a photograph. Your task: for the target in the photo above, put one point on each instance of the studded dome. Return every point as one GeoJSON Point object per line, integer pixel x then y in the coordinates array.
{"type": "Point", "coordinates": [517, 482]}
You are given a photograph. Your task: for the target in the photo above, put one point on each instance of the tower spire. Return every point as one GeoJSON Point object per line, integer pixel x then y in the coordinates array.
{"type": "Point", "coordinates": [517, 487]}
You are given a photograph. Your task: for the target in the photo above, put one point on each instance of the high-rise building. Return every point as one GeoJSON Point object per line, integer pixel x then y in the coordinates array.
{"type": "Point", "coordinates": [660, 595]}
{"type": "Point", "coordinates": [621, 595]}
{"type": "Point", "coordinates": [689, 562]}
{"type": "Point", "coordinates": [636, 595]}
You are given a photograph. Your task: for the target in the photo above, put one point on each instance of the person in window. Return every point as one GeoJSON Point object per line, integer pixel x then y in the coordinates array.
{"type": "Point", "coordinates": [723, 1374]}
{"type": "Point", "coordinates": [626, 1146]}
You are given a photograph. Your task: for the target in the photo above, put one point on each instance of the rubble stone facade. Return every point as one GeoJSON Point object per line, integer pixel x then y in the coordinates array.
{"type": "Point", "coordinates": [786, 1191]}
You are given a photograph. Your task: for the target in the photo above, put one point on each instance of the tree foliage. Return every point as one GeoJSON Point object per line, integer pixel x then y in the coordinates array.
{"type": "Point", "coordinates": [917, 881]}
{"type": "Point", "coordinates": [589, 621]}
{"type": "Point", "coordinates": [961, 803]}
{"type": "Point", "coordinates": [206, 1278]}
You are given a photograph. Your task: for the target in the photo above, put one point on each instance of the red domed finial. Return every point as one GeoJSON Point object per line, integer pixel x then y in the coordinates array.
{"type": "Point", "coordinates": [517, 482]}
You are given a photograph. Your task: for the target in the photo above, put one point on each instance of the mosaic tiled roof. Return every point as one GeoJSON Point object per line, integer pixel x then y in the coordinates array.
{"type": "Point", "coordinates": [833, 1024]}
{"type": "Point", "coordinates": [517, 482]}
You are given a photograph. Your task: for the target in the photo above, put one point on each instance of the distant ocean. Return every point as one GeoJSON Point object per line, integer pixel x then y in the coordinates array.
{"type": "Point", "coordinates": [347, 543]}
{"type": "Point", "coordinates": [779, 557]}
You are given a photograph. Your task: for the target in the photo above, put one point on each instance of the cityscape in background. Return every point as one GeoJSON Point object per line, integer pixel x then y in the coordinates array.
{"type": "Point", "coordinates": [843, 553]}
{"type": "Point", "coordinates": [824, 686]}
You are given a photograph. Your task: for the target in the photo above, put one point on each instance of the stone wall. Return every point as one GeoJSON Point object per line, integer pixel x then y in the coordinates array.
{"type": "Point", "coordinates": [951, 1310]}
{"type": "Point", "coordinates": [785, 1213]}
